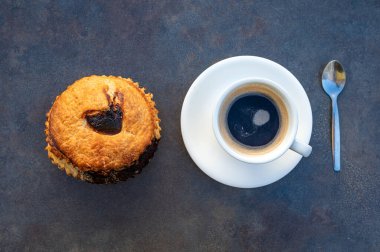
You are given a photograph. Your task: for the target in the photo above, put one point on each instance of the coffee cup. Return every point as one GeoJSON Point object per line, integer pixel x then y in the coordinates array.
{"type": "Point", "coordinates": [255, 121]}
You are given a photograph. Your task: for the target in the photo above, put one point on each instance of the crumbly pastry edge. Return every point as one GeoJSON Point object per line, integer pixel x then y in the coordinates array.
{"type": "Point", "coordinates": [104, 177]}
{"type": "Point", "coordinates": [65, 164]}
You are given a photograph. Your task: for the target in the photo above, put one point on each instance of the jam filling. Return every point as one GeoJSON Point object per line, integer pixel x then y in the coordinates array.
{"type": "Point", "coordinates": [106, 122]}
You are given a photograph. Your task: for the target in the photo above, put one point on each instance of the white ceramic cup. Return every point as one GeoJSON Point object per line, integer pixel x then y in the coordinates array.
{"type": "Point", "coordinates": [287, 141]}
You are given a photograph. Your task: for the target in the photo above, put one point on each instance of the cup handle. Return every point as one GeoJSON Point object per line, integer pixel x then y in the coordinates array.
{"type": "Point", "coordinates": [301, 148]}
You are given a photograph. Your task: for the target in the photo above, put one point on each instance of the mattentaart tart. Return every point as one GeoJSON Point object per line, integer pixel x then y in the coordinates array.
{"type": "Point", "coordinates": [102, 129]}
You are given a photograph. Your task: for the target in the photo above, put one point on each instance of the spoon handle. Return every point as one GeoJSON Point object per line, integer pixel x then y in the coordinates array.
{"type": "Point", "coordinates": [335, 134]}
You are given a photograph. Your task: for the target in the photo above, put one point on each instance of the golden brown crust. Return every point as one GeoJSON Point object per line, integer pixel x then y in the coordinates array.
{"type": "Point", "coordinates": [71, 138]}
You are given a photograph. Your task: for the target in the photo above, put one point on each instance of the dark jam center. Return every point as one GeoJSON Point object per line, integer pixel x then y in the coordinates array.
{"type": "Point", "coordinates": [106, 122]}
{"type": "Point", "coordinates": [253, 120]}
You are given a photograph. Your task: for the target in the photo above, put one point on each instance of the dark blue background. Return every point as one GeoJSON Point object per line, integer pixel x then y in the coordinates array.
{"type": "Point", "coordinates": [46, 45]}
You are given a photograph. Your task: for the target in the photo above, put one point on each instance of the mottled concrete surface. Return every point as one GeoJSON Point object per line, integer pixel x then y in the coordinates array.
{"type": "Point", "coordinates": [46, 45]}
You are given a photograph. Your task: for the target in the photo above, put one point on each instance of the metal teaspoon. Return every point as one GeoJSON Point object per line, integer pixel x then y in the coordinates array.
{"type": "Point", "coordinates": [333, 81]}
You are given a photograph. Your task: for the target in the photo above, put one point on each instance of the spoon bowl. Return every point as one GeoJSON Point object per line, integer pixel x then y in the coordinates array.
{"type": "Point", "coordinates": [333, 78]}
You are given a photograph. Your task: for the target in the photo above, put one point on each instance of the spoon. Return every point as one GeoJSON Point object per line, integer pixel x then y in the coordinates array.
{"type": "Point", "coordinates": [333, 81]}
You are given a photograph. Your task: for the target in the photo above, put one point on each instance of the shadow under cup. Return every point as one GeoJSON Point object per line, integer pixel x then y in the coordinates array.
{"type": "Point", "coordinates": [287, 121]}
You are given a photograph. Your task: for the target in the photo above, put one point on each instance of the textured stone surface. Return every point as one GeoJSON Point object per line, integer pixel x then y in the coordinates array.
{"type": "Point", "coordinates": [46, 45]}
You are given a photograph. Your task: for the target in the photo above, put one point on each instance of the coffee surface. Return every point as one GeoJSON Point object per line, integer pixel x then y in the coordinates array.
{"type": "Point", "coordinates": [253, 120]}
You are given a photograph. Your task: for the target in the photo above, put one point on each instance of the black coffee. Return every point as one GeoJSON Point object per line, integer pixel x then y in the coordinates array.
{"type": "Point", "coordinates": [253, 120]}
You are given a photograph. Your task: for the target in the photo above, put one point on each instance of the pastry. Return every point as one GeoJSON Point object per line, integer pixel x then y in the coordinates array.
{"type": "Point", "coordinates": [102, 129]}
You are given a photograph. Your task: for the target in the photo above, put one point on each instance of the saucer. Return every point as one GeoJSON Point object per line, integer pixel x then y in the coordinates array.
{"type": "Point", "coordinates": [197, 130]}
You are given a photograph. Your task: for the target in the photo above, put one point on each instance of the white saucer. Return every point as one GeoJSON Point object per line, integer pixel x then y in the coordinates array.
{"type": "Point", "coordinates": [196, 122]}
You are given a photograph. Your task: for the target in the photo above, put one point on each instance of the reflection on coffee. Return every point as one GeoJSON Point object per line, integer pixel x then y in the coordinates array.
{"type": "Point", "coordinates": [253, 120]}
